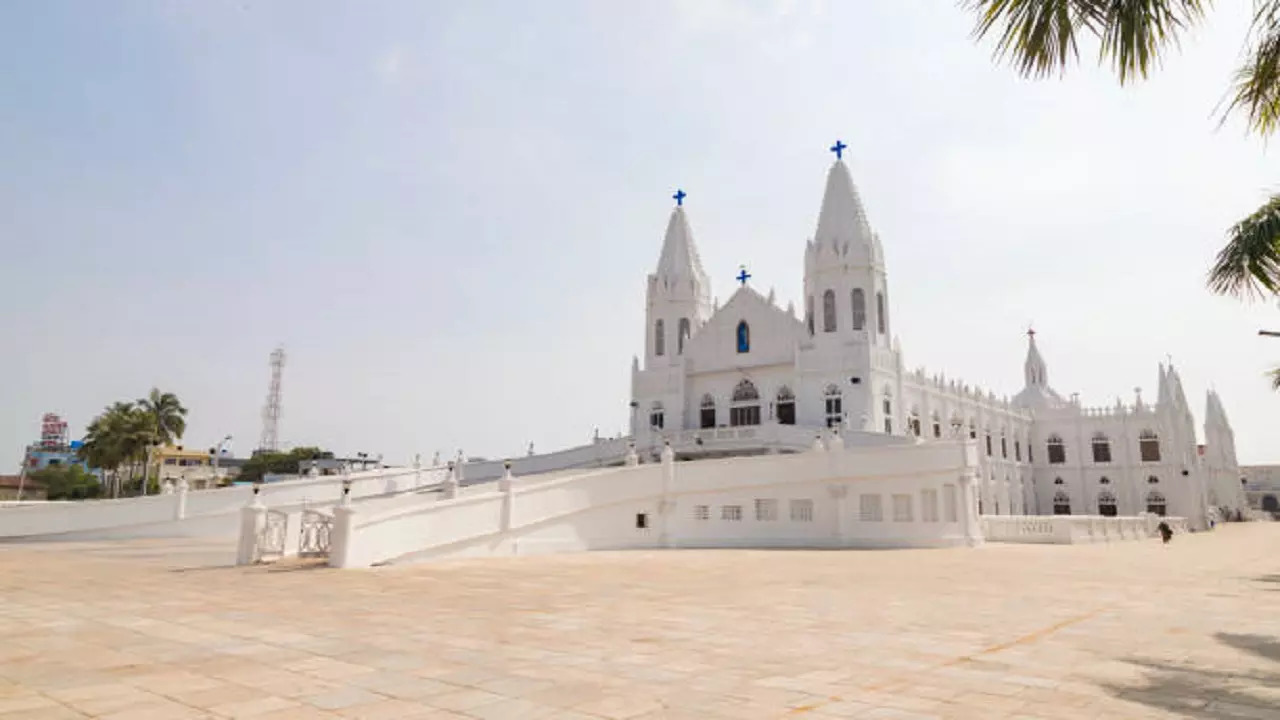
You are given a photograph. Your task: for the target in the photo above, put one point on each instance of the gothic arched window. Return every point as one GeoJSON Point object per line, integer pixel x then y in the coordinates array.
{"type": "Point", "coordinates": [888, 411]}
{"type": "Point", "coordinates": [987, 433]}
{"type": "Point", "coordinates": [937, 426]}
{"type": "Point", "coordinates": [681, 335]}
{"type": "Point", "coordinates": [808, 314]}
{"type": "Point", "coordinates": [745, 408]}
{"type": "Point", "coordinates": [1149, 446]}
{"type": "Point", "coordinates": [1004, 445]}
{"type": "Point", "coordinates": [1156, 503]}
{"type": "Point", "coordinates": [659, 338]}
{"type": "Point", "coordinates": [1061, 503]}
{"type": "Point", "coordinates": [1017, 450]}
{"type": "Point", "coordinates": [744, 337]}
{"type": "Point", "coordinates": [829, 311]}
{"type": "Point", "coordinates": [786, 407]}
{"type": "Point", "coordinates": [1107, 504]}
{"type": "Point", "coordinates": [882, 322]}
{"type": "Point", "coordinates": [1101, 448]}
{"type": "Point", "coordinates": [859, 309]}
{"type": "Point", "coordinates": [707, 412]}
{"type": "Point", "coordinates": [1057, 450]}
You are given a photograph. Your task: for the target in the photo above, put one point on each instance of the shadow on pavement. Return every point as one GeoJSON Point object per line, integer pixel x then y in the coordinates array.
{"type": "Point", "coordinates": [1203, 693]}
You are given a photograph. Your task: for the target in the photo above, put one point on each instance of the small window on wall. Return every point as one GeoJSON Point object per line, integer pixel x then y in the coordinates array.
{"type": "Point", "coordinates": [829, 311]}
{"type": "Point", "coordinates": [744, 337]}
{"type": "Point", "coordinates": [882, 322]}
{"type": "Point", "coordinates": [766, 509]}
{"type": "Point", "coordinates": [929, 505]}
{"type": "Point", "coordinates": [1057, 450]}
{"type": "Point", "coordinates": [707, 412]}
{"type": "Point", "coordinates": [1061, 503]}
{"type": "Point", "coordinates": [973, 430]}
{"type": "Point", "coordinates": [1149, 446]}
{"type": "Point", "coordinates": [656, 418]}
{"type": "Point", "coordinates": [1004, 446]}
{"type": "Point", "coordinates": [1017, 450]}
{"type": "Point", "coordinates": [1101, 448]}
{"type": "Point", "coordinates": [869, 508]}
{"type": "Point", "coordinates": [659, 338]}
{"type": "Point", "coordinates": [786, 406]}
{"type": "Point", "coordinates": [681, 335]}
{"type": "Point", "coordinates": [732, 513]}
{"type": "Point", "coordinates": [701, 512]}
{"type": "Point", "coordinates": [642, 521]}
{"type": "Point", "coordinates": [902, 508]}
{"type": "Point", "coordinates": [802, 510]}
{"type": "Point", "coordinates": [937, 426]}
{"type": "Point", "coordinates": [859, 309]}
{"type": "Point", "coordinates": [834, 406]}
{"type": "Point", "coordinates": [1156, 503]}
{"type": "Point", "coordinates": [988, 435]}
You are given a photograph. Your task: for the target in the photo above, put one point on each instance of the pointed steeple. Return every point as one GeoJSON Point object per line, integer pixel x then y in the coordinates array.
{"type": "Point", "coordinates": [842, 221]}
{"type": "Point", "coordinates": [679, 259]}
{"type": "Point", "coordinates": [1034, 369]}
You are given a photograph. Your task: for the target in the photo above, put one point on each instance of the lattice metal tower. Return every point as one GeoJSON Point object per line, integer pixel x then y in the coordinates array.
{"type": "Point", "coordinates": [270, 440]}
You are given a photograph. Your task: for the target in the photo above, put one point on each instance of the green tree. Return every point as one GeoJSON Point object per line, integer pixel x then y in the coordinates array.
{"type": "Point", "coordinates": [67, 482]}
{"type": "Point", "coordinates": [167, 415]}
{"type": "Point", "coordinates": [1042, 37]}
{"type": "Point", "coordinates": [278, 463]}
{"type": "Point", "coordinates": [117, 440]}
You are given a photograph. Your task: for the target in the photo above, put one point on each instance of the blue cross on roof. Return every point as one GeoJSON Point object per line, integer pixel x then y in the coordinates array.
{"type": "Point", "coordinates": [838, 148]}
{"type": "Point", "coordinates": [743, 275]}
{"type": "Point", "coordinates": [679, 197]}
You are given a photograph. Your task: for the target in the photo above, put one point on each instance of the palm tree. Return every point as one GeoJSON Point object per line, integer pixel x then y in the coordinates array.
{"type": "Point", "coordinates": [1041, 37]}
{"type": "Point", "coordinates": [168, 417]}
{"type": "Point", "coordinates": [117, 437]}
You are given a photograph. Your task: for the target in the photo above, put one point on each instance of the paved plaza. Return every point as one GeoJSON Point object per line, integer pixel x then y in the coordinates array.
{"type": "Point", "coordinates": [158, 629]}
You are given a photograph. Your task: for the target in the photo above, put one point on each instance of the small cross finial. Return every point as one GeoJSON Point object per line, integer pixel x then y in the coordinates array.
{"type": "Point", "coordinates": [838, 149]}
{"type": "Point", "coordinates": [679, 197]}
{"type": "Point", "coordinates": [743, 275]}
{"type": "Point", "coordinates": [1031, 333]}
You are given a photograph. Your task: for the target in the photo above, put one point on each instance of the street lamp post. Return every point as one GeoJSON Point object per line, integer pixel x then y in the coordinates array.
{"type": "Point", "coordinates": [217, 453]}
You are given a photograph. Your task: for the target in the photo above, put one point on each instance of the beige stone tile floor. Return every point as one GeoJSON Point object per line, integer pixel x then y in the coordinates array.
{"type": "Point", "coordinates": [166, 629]}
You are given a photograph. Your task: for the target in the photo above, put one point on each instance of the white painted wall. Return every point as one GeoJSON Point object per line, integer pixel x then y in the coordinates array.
{"type": "Point", "coordinates": [599, 509]}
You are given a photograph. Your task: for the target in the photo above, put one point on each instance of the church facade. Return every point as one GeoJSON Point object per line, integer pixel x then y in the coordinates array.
{"type": "Point", "coordinates": [835, 366]}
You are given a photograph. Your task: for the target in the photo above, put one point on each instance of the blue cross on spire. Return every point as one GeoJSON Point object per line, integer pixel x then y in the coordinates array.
{"type": "Point", "coordinates": [838, 149]}
{"type": "Point", "coordinates": [743, 275]}
{"type": "Point", "coordinates": [679, 197]}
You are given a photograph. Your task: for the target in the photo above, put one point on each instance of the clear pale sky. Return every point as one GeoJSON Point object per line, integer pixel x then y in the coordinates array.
{"type": "Point", "coordinates": [445, 211]}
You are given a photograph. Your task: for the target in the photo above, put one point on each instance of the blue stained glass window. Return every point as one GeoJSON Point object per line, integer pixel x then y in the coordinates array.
{"type": "Point", "coordinates": [744, 337]}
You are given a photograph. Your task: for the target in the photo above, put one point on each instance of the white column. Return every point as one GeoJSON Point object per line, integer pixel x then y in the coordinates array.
{"type": "Point", "coordinates": [666, 505]}
{"type": "Point", "coordinates": [253, 518]}
{"type": "Point", "coordinates": [342, 540]}
{"type": "Point", "coordinates": [505, 486]}
{"type": "Point", "coordinates": [969, 521]}
{"type": "Point", "coordinates": [180, 499]}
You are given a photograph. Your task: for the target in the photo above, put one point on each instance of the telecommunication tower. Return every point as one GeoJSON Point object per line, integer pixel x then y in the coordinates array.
{"type": "Point", "coordinates": [270, 440]}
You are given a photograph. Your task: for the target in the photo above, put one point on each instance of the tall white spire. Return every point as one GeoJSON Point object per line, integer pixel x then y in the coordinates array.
{"type": "Point", "coordinates": [842, 221]}
{"type": "Point", "coordinates": [1034, 369]}
{"type": "Point", "coordinates": [679, 260]}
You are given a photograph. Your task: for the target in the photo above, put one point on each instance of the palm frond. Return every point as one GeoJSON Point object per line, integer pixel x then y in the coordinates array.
{"type": "Point", "coordinates": [1134, 32]}
{"type": "Point", "coordinates": [1039, 37]}
{"type": "Point", "coordinates": [1256, 85]}
{"type": "Point", "coordinates": [1249, 265]}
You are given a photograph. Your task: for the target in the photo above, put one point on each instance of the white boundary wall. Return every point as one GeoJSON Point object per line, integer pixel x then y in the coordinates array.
{"type": "Point", "coordinates": [1074, 529]}
{"type": "Point", "coordinates": [924, 494]}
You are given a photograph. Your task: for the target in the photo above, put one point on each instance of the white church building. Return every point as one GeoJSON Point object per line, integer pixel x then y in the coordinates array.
{"type": "Point", "coordinates": [753, 377]}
